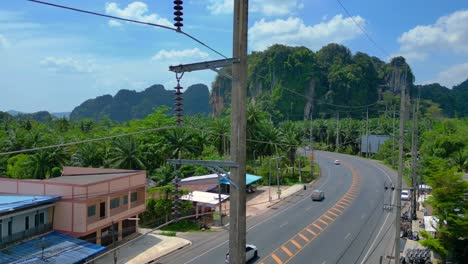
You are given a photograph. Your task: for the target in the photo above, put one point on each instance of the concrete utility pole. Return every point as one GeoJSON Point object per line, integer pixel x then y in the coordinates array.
{"type": "Point", "coordinates": [337, 131]}
{"type": "Point", "coordinates": [393, 139]}
{"type": "Point", "coordinates": [312, 143]}
{"type": "Point", "coordinates": [400, 169]}
{"type": "Point", "coordinates": [414, 159]}
{"type": "Point", "coordinates": [367, 133]}
{"type": "Point", "coordinates": [237, 210]}
{"type": "Point", "coordinates": [277, 178]}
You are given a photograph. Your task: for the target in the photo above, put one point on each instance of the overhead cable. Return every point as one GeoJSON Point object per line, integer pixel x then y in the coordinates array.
{"type": "Point", "coordinates": [362, 29]}
{"type": "Point", "coordinates": [130, 20]}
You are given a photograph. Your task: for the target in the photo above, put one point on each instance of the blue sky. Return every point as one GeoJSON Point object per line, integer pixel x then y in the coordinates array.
{"type": "Point", "coordinates": [53, 59]}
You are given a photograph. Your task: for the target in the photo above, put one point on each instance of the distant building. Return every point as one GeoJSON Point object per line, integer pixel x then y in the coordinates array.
{"type": "Point", "coordinates": [94, 205]}
{"type": "Point", "coordinates": [26, 235]}
{"type": "Point", "coordinates": [375, 142]}
{"type": "Point", "coordinates": [24, 216]}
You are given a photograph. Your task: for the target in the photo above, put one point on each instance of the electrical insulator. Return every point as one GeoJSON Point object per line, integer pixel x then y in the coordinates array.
{"type": "Point", "coordinates": [178, 14]}
{"type": "Point", "coordinates": [178, 103]}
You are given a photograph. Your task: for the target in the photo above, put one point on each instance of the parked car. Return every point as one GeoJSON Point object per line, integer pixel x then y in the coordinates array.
{"type": "Point", "coordinates": [337, 162]}
{"type": "Point", "coordinates": [317, 195]}
{"type": "Point", "coordinates": [405, 195]}
{"type": "Point", "coordinates": [251, 252]}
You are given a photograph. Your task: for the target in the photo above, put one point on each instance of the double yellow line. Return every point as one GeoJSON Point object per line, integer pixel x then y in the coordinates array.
{"type": "Point", "coordinates": [299, 241]}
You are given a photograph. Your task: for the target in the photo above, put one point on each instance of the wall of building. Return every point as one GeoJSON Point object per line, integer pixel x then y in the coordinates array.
{"type": "Point", "coordinates": [19, 222]}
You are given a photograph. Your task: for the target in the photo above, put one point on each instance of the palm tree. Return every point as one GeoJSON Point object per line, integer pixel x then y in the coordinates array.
{"type": "Point", "coordinates": [266, 132]}
{"type": "Point", "coordinates": [220, 136]}
{"type": "Point", "coordinates": [179, 142]}
{"type": "Point", "coordinates": [88, 155]}
{"type": "Point", "coordinates": [124, 154]}
{"type": "Point", "coordinates": [40, 164]}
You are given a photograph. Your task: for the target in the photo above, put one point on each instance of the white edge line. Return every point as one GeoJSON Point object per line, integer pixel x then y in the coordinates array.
{"type": "Point", "coordinates": [386, 218]}
{"type": "Point", "coordinates": [257, 224]}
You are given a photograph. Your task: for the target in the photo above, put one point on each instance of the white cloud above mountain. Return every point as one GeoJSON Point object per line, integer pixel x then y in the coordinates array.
{"type": "Point", "coordinates": [267, 8]}
{"type": "Point", "coordinates": [454, 75]}
{"type": "Point", "coordinates": [4, 41]}
{"type": "Point", "coordinates": [68, 65]}
{"type": "Point", "coordinates": [294, 32]}
{"type": "Point", "coordinates": [179, 56]}
{"type": "Point", "coordinates": [135, 10]}
{"type": "Point", "coordinates": [448, 34]}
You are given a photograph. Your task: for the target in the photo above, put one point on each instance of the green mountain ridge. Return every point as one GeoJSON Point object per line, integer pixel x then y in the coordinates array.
{"type": "Point", "coordinates": [295, 83]}
{"type": "Point", "coordinates": [129, 104]}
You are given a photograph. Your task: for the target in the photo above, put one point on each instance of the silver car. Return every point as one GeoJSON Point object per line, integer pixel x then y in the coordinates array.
{"type": "Point", "coordinates": [317, 195]}
{"type": "Point", "coordinates": [251, 252]}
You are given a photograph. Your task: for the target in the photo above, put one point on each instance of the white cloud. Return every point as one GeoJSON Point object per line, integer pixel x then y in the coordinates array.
{"type": "Point", "coordinates": [68, 65]}
{"type": "Point", "coordinates": [268, 8]}
{"type": "Point", "coordinates": [180, 55]}
{"type": "Point", "coordinates": [4, 43]}
{"type": "Point", "coordinates": [294, 32]}
{"type": "Point", "coordinates": [452, 76]}
{"type": "Point", "coordinates": [114, 23]}
{"type": "Point", "coordinates": [448, 33]}
{"type": "Point", "coordinates": [137, 11]}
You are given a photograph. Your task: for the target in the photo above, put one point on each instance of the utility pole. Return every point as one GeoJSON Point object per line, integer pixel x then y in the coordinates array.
{"type": "Point", "coordinates": [400, 169]}
{"type": "Point", "coordinates": [414, 158]}
{"type": "Point", "coordinates": [237, 210]}
{"type": "Point", "coordinates": [367, 133]}
{"type": "Point", "coordinates": [393, 139]}
{"type": "Point", "coordinates": [337, 131]}
{"type": "Point", "coordinates": [277, 178]}
{"type": "Point", "coordinates": [312, 143]}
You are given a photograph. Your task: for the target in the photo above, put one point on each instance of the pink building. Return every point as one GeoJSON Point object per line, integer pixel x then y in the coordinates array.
{"type": "Point", "coordinates": [95, 204]}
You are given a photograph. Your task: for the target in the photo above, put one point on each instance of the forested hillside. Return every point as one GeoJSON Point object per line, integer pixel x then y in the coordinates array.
{"type": "Point", "coordinates": [453, 102]}
{"type": "Point", "coordinates": [128, 105]}
{"type": "Point", "coordinates": [294, 82]}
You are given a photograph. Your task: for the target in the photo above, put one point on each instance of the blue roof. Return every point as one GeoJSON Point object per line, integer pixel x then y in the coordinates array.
{"type": "Point", "coordinates": [9, 203]}
{"type": "Point", "coordinates": [249, 179]}
{"type": "Point", "coordinates": [59, 248]}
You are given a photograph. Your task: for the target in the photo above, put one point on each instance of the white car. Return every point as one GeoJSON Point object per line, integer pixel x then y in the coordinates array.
{"type": "Point", "coordinates": [337, 162]}
{"type": "Point", "coordinates": [404, 195]}
{"type": "Point", "coordinates": [251, 252]}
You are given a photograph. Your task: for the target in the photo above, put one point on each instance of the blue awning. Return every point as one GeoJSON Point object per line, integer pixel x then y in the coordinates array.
{"type": "Point", "coordinates": [249, 179]}
{"type": "Point", "coordinates": [12, 202]}
{"type": "Point", "coordinates": [58, 248]}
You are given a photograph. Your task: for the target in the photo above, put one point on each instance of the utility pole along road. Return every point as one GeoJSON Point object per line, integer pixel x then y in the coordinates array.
{"type": "Point", "coordinates": [346, 227]}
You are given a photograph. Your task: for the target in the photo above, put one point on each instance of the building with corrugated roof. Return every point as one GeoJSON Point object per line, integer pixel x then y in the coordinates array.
{"type": "Point", "coordinates": [97, 205]}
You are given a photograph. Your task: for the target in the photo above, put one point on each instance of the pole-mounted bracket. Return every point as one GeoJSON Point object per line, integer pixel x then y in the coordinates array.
{"type": "Point", "coordinates": [213, 65]}
{"type": "Point", "coordinates": [213, 165]}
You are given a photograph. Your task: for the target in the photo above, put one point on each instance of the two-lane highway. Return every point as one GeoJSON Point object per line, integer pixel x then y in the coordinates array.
{"type": "Point", "coordinates": [340, 229]}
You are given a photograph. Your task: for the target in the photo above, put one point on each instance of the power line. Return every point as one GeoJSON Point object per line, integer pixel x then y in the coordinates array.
{"type": "Point", "coordinates": [129, 20]}
{"type": "Point", "coordinates": [87, 140]}
{"type": "Point", "coordinates": [362, 29]}
{"type": "Point", "coordinates": [322, 102]}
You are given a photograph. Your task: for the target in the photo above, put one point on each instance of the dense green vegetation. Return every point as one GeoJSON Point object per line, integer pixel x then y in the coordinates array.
{"type": "Point", "coordinates": [127, 105]}
{"type": "Point", "coordinates": [453, 101]}
{"type": "Point", "coordinates": [294, 82]}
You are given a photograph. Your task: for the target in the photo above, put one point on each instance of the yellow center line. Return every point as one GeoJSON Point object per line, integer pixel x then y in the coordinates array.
{"type": "Point", "coordinates": [295, 243]}
{"type": "Point", "coordinates": [338, 210]}
{"type": "Point", "coordinates": [323, 222]}
{"type": "Point", "coordinates": [278, 260]}
{"type": "Point", "coordinates": [337, 205]}
{"type": "Point", "coordinates": [330, 212]}
{"type": "Point", "coordinates": [287, 251]}
{"type": "Point", "coordinates": [344, 202]}
{"type": "Point", "coordinates": [326, 216]}
{"type": "Point", "coordinates": [310, 231]}
{"type": "Point", "coordinates": [303, 237]}
{"type": "Point", "coordinates": [317, 226]}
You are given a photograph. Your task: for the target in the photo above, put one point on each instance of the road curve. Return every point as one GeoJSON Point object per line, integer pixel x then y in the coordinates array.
{"type": "Point", "coordinates": [349, 226]}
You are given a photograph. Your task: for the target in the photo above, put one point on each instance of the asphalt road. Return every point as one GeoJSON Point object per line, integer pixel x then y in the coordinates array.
{"type": "Point", "coordinates": [349, 226]}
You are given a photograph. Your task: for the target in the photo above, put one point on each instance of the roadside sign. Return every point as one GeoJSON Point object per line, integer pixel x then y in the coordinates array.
{"type": "Point", "coordinates": [311, 157]}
